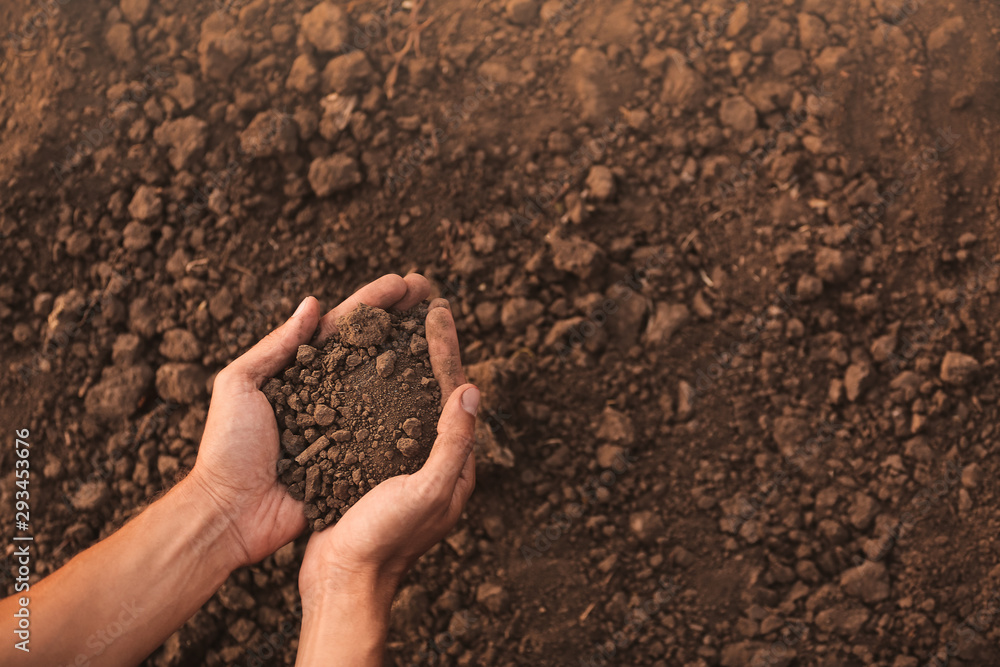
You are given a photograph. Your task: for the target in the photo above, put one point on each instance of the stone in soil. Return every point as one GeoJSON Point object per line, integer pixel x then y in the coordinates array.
{"type": "Point", "coordinates": [359, 411]}
{"type": "Point", "coordinates": [333, 174]}
{"type": "Point", "coordinates": [327, 27]}
{"type": "Point", "coordinates": [116, 396]}
{"type": "Point", "coordinates": [221, 49]}
{"type": "Point", "coordinates": [958, 368]}
{"type": "Point", "coordinates": [184, 138]}
{"type": "Point", "coordinates": [270, 133]}
{"type": "Point", "coordinates": [348, 73]}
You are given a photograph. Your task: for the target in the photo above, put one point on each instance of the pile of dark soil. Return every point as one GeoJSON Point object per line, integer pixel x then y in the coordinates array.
{"type": "Point", "coordinates": [358, 412]}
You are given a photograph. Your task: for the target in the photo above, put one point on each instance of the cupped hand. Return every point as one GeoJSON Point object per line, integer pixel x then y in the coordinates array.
{"type": "Point", "coordinates": [392, 525]}
{"type": "Point", "coordinates": [237, 460]}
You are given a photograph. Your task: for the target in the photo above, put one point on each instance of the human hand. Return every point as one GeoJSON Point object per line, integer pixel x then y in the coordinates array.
{"type": "Point", "coordinates": [392, 525]}
{"type": "Point", "coordinates": [236, 466]}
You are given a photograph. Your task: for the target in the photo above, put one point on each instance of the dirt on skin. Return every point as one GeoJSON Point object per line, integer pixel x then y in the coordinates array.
{"type": "Point", "coordinates": [360, 411]}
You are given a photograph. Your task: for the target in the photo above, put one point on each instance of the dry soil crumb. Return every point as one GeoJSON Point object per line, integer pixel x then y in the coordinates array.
{"type": "Point", "coordinates": [359, 411]}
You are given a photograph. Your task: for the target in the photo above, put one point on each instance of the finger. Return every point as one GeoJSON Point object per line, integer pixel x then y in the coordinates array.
{"type": "Point", "coordinates": [382, 293]}
{"type": "Point", "coordinates": [442, 344]}
{"type": "Point", "coordinates": [467, 480]}
{"type": "Point", "coordinates": [278, 348]}
{"type": "Point", "coordinates": [290, 514]}
{"type": "Point", "coordinates": [439, 303]}
{"type": "Point", "coordinates": [418, 288]}
{"type": "Point", "coordinates": [453, 446]}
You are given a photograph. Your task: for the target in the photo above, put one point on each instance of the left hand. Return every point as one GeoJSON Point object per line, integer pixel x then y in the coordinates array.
{"type": "Point", "coordinates": [237, 460]}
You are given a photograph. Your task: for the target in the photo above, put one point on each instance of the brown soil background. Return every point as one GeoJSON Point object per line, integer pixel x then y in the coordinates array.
{"type": "Point", "coordinates": [712, 284]}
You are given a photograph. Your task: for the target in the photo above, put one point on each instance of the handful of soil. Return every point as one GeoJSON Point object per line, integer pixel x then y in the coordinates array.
{"type": "Point", "coordinates": [359, 411]}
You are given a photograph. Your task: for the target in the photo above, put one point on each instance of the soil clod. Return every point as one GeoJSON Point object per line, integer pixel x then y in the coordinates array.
{"type": "Point", "coordinates": [347, 421]}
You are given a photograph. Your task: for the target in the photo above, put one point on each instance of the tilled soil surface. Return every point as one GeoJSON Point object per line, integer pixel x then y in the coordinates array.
{"type": "Point", "coordinates": [361, 411]}
{"type": "Point", "coordinates": [735, 264]}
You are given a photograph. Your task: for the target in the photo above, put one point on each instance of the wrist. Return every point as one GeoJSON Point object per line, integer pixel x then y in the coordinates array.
{"type": "Point", "coordinates": [372, 587]}
{"type": "Point", "coordinates": [346, 617]}
{"type": "Point", "coordinates": [218, 536]}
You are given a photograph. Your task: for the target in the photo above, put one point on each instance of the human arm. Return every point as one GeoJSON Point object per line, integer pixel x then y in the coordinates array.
{"type": "Point", "coordinates": [229, 511]}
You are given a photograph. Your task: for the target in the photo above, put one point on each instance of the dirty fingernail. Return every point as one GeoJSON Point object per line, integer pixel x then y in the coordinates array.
{"type": "Point", "coordinates": [440, 302]}
{"type": "Point", "coordinates": [302, 306]}
{"type": "Point", "coordinates": [470, 401]}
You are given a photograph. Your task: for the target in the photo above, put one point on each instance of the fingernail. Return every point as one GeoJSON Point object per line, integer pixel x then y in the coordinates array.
{"type": "Point", "coordinates": [440, 302]}
{"type": "Point", "coordinates": [470, 401]}
{"type": "Point", "coordinates": [300, 308]}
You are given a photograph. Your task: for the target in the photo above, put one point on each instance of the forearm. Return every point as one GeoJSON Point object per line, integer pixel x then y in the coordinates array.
{"type": "Point", "coordinates": [117, 601]}
{"type": "Point", "coordinates": [346, 624]}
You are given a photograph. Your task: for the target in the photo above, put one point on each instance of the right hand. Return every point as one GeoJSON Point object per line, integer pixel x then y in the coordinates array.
{"type": "Point", "coordinates": [392, 525]}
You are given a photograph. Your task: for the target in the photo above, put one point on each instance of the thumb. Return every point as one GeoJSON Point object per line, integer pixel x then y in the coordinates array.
{"type": "Point", "coordinates": [278, 348]}
{"type": "Point", "coordinates": [456, 434]}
